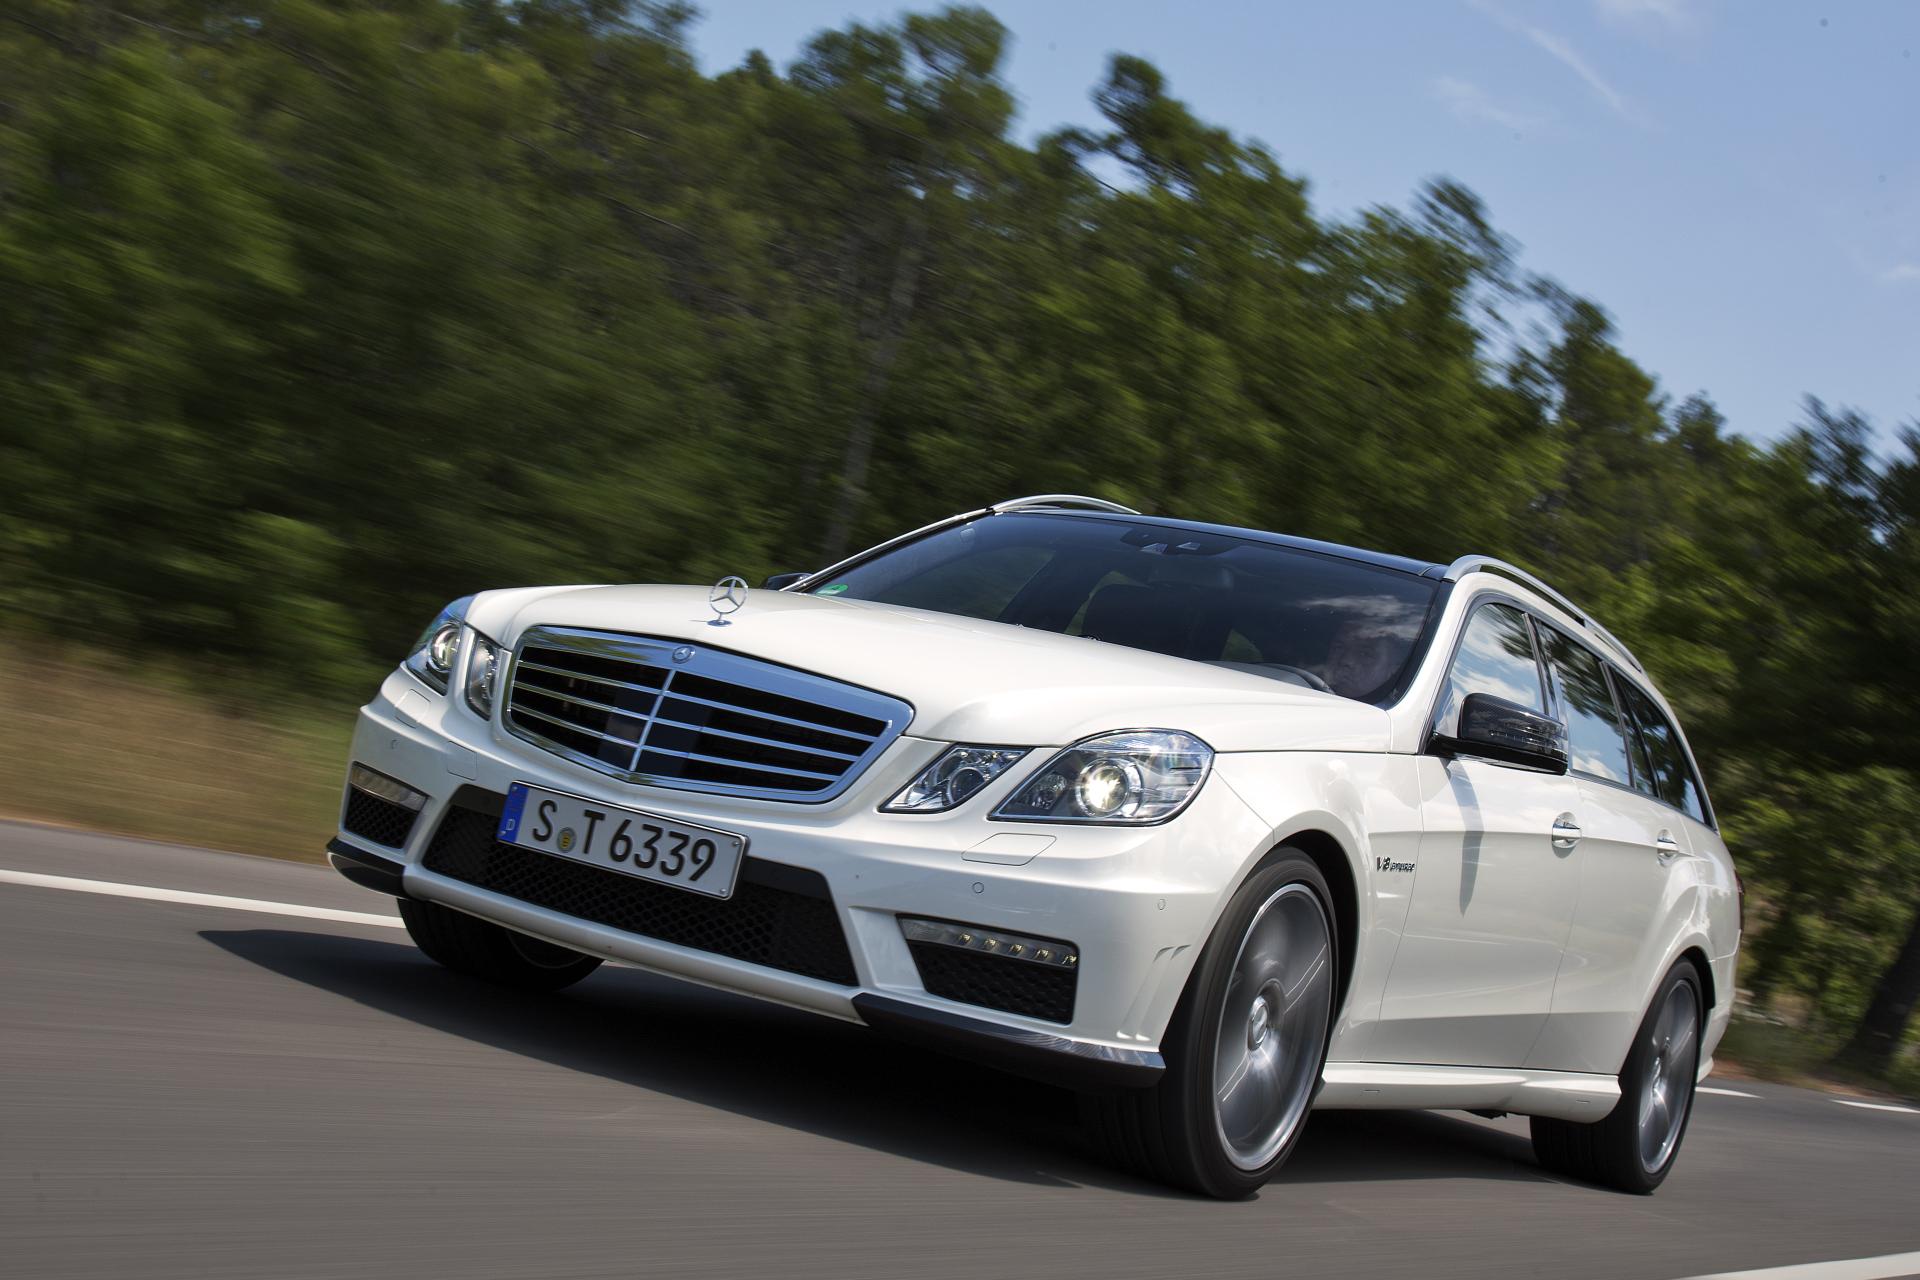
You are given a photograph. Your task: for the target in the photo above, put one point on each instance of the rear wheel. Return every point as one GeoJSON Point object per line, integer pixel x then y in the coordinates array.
{"type": "Point", "coordinates": [1634, 1147]}
{"type": "Point", "coordinates": [1246, 1046]}
{"type": "Point", "coordinates": [469, 945]}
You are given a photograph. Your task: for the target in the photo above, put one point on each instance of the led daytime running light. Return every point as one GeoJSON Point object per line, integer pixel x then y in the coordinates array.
{"type": "Point", "coordinates": [997, 942]}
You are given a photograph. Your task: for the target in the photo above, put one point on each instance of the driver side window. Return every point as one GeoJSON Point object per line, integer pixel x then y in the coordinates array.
{"type": "Point", "coordinates": [1496, 656]}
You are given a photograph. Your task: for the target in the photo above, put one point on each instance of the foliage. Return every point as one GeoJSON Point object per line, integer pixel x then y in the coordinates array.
{"type": "Point", "coordinates": [317, 313]}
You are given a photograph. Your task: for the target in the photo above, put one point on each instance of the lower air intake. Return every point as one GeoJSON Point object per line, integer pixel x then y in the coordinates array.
{"type": "Point", "coordinates": [381, 821]}
{"type": "Point", "coordinates": [779, 916]}
{"type": "Point", "coordinates": [1033, 977]}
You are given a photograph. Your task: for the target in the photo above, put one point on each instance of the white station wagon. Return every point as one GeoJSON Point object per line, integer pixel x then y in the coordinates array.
{"type": "Point", "coordinates": [1214, 826]}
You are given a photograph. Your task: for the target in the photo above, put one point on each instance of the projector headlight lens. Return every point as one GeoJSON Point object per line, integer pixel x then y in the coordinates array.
{"type": "Point", "coordinates": [1104, 787]}
{"type": "Point", "coordinates": [1136, 776]}
{"type": "Point", "coordinates": [440, 649]}
{"type": "Point", "coordinates": [434, 652]}
{"type": "Point", "coordinates": [960, 773]}
{"type": "Point", "coordinates": [483, 669]}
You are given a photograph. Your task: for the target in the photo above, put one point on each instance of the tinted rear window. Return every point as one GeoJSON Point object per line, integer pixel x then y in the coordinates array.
{"type": "Point", "coordinates": [1667, 774]}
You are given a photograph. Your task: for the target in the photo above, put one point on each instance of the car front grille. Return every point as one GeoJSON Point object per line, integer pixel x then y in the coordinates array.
{"type": "Point", "coordinates": [380, 820]}
{"type": "Point", "coordinates": [695, 718]}
{"type": "Point", "coordinates": [996, 982]}
{"type": "Point", "coordinates": [779, 916]}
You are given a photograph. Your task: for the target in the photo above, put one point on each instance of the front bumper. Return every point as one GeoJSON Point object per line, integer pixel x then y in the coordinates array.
{"type": "Point", "coordinates": [1136, 902]}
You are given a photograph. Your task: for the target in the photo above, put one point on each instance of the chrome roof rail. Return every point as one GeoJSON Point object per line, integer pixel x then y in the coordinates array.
{"type": "Point", "coordinates": [1487, 564]}
{"type": "Point", "coordinates": [1061, 500]}
{"type": "Point", "coordinates": [1036, 502]}
{"type": "Point", "coordinates": [895, 541]}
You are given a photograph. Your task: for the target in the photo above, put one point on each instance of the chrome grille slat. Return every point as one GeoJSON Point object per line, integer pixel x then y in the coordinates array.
{"type": "Point", "coordinates": [677, 696]}
{"type": "Point", "coordinates": [575, 728]}
{"type": "Point", "coordinates": [608, 707]}
{"type": "Point", "coordinates": [765, 742]}
{"type": "Point", "coordinates": [753, 728]}
{"type": "Point", "coordinates": [734, 764]}
{"type": "Point", "coordinates": [649, 689]}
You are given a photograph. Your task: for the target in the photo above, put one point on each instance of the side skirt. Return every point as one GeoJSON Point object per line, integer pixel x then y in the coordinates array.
{"type": "Point", "coordinates": [1564, 1095]}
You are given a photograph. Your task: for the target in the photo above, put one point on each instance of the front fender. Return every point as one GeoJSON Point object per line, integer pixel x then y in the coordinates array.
{"type": "Point", "coordinates": [1367, 805]}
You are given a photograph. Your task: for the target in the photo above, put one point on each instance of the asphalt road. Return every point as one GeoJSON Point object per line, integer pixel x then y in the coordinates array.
{"type": "Point", "coordinates": [211, 1091]}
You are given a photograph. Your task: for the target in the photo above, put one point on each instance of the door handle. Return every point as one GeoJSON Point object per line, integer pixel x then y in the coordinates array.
{"type": "Point", "coordinates": [1566, 832]}
{"type": "Point", "coordinates": [1665, 847]}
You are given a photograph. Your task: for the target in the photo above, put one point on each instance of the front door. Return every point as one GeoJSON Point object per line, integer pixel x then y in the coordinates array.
{"type": "Point", "coordinates": [1493, 892]}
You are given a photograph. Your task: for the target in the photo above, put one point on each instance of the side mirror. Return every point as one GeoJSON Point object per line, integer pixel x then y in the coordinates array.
{"type": "Point", "coordinates": [1505, 732]}
{"type": "Point", "coordinates": [781, 581]}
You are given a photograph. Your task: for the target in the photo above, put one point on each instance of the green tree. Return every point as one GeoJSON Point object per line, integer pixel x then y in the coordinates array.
{"type": "Point", "coordinates": [317, 313]}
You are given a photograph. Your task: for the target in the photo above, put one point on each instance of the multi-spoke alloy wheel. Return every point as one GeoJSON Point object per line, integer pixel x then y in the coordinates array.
{"type": "Point", "coordinates": [1634, 1147]}
{"type": "Point", "coordinates": [1273, 1023]}
{"type": "Point", "coordinates": [1246, 1046]}
{"type": "Point", "coordinates": [1669, 1085]}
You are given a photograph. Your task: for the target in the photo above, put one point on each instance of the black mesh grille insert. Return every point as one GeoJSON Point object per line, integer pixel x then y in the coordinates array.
{"type": "Point", "coordinates": [381, 821]}
{"type": "Point", "coordinates": [779, 916]}
{"type": "Point", "coordinates": [996, 982]}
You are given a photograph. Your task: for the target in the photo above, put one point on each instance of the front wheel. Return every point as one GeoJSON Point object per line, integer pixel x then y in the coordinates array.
{"type": "Point", "coordinates": [1246, 1046]}
{"type": "Point", "coordinates": [1633, 1148]}
{"type": "Point", "coordinates": [490, 951]}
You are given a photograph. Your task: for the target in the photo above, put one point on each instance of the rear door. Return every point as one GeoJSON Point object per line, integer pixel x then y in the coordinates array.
{"type": "Point", "coordinates": [1632, 853]}
{"type": "Point", "coordinates": [1492, 897]}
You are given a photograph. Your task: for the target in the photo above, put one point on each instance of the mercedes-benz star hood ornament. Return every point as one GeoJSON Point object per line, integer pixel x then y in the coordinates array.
{"type": "Point", "coordinates": [726, 597]}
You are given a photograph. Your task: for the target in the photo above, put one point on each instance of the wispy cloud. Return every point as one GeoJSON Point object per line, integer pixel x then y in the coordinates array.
{"type": "Point", "coordinates": [1469, 101]}
{"type": "Point", "coordinates": [1904, 273]}
{"type": "Point", "coordinates": [1679, 15]}
{"type": "Point", "coordinates": [1563, 51]}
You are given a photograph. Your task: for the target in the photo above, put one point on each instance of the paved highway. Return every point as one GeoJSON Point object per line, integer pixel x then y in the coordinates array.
{"type": "Point", "coordinates": [205, 1088]}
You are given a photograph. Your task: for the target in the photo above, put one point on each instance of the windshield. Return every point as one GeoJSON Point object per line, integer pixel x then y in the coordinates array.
{"type": "Point", "coordinates": [1313, 620]}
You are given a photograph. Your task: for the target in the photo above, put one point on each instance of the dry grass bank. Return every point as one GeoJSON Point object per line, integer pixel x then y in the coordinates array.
{"type": "Point", "coordinates": [151, 752]}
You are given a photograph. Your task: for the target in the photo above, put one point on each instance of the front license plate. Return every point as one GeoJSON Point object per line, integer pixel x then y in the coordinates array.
{"type": "Point", "coordinates": [629, 841]}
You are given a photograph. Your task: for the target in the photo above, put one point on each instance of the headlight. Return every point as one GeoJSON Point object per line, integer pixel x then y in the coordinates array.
{"type": "Point", "coordinates": [483, 668]}
{"type": "Point", "coordinates": [958, 774]}
{"type": "Point", "coordinates": [1134, 776]}
{"type": "Point", "coordinates": [433, 652]}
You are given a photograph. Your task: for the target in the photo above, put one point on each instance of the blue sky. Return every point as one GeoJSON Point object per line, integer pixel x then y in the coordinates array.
{"type": "Point", "coordinates": [1735, 182]}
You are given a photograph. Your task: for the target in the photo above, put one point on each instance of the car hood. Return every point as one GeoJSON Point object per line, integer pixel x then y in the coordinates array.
{"type": "Point", "coordinates": [968, 680]}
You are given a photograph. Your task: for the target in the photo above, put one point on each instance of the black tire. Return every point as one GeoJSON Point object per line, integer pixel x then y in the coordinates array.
{"type": "Point", "coordinates": [1171, 1132]}
{"type": "Point", "coordinates": [469, 945]}
{"type": "Point", "coordinates": [1612, 1151]}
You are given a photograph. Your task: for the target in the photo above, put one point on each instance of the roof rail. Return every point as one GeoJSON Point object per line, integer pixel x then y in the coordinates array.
{"type": "Point", "coordinates": [1487, 564]}
{"type": "Point", "coordinates": [1038, 500]}
{"type": "Point", "coordinates": [1061, 500]}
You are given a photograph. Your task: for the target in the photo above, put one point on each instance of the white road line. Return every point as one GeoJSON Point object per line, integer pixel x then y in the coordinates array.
{"type": "Point", "coordinates": [1878, 1106]}
{"type": "Point", "coordinates": [151, 894]}
{"type": "Point", "coordinates": [1722, 1093]}
{"type": "Point", "coordinates": [1884, 1267]}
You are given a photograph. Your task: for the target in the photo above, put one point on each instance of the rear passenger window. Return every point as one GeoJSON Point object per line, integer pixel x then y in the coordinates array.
{"type": "Point", "coordinates": [1495, 656]}
{"type": "Point", "coordinates": [1595, 740]}
{"type": "Point", "coordinates": [1665, 773]}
